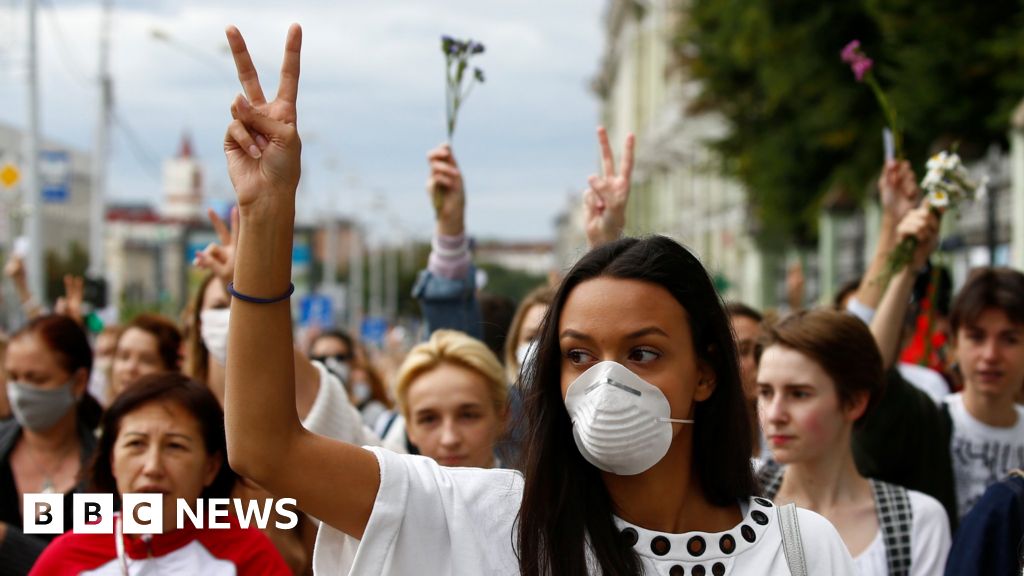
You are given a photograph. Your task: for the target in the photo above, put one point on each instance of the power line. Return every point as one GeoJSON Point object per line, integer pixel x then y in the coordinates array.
{"type": "Point", "coordinates": [142, 155]}
{"type": "Point", "coordinates": [67, 60]}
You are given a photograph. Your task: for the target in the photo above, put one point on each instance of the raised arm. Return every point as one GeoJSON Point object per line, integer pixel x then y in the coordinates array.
{"type": "Point", "coordinates": [219, 258]}
{"type": "Point", "coordinates": [604, 202]}
{"type": "Point", "coordinates": [266, 442]}
{"type": "Point", "coordinates": [446, 290]}
{"type": "Point", "coordinates": [15, 270]}
{"type": "Point", "coordinates": [887, 325]}
{"type": "Point", "coordinates": [899, 194]}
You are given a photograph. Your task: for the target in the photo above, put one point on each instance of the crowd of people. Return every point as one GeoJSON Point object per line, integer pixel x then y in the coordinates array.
{"type": "Point", "coordinates": [628, 421]}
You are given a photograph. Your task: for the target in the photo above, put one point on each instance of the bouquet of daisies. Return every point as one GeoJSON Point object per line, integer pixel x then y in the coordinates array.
{"type": "Point", "coordinates": [946, 185]}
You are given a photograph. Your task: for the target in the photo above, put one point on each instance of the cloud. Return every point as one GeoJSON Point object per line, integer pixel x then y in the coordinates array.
{"type": "Point", "coordinates": [370, 104]}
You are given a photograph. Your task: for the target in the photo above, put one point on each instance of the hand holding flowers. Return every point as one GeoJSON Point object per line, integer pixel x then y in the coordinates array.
{"type": "Point", "coordinates": [457, 54]}
{"type": "Point", "coordinates": [946, 185]}
{"type": "Point", "coordinates": [862, 66]}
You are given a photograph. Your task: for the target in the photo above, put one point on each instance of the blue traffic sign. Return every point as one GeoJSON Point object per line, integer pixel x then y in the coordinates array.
{"type": "Point", "coordinates": [54, 175]}
{"type": "Point", "coordinates": [316, 310]}
{"type": "Point", "coordinates": [373, 329]}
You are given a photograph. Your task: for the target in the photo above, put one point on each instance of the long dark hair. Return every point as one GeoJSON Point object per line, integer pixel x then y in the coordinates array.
{"type": "Point", "coordinates": [566, 507]}
{"type": "Point", "coordinates": [175, 387]}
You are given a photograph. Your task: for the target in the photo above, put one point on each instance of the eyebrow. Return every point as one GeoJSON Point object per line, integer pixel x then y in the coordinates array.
{"type": "Point", "coordinates": [174, 434]}
{"type": "Point", "coordinates": [789, 385]}
{"type": "Point", "coordinates": [570, 333]}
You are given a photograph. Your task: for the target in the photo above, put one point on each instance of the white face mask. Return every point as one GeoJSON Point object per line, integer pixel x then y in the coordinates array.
{"type": "Point", "coordinates": [621, 423]}
{"type": "Point", "coordinates": [213, 327]}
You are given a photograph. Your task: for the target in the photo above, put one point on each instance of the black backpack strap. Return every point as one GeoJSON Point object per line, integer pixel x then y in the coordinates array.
{"type": "Point", "coordinates": [896, 520]}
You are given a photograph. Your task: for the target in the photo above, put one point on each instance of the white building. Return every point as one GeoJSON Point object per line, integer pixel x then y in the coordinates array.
{"type": "Point", "coordinates": [65, 206]}
{"type": "Point", "coordinates": [183, 186]}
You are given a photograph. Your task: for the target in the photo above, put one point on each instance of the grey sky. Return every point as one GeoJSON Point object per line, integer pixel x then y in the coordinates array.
{"type": "Point", "coordinates": [371, 100]}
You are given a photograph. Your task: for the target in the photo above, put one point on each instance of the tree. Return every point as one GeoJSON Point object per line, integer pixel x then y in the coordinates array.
{"type": "Point", "coordinates": [801, 128]}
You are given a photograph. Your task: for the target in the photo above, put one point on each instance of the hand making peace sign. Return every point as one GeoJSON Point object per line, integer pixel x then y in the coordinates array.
{"type": "Point", "coordinates": [262, 144]}
{"type": "Point", "coordinates": [605, 200]}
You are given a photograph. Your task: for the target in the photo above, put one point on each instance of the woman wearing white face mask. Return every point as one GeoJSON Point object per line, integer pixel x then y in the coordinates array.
{"type": "Point", "coordinates": [647, 305]}
{"type": "Point", "coordinates": [522, 335]}
{"type": "Point", "coordinates": [206, 339]}
{"type": "Point", "coordinates": [46, 444]}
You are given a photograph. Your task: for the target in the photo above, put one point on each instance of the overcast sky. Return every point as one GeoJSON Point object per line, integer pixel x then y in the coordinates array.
{"type": "Point", "coordinates": [371, 97]}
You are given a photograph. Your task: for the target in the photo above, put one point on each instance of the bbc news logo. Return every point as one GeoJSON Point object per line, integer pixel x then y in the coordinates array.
{"type": "Point", "coordinates": [144, 513]}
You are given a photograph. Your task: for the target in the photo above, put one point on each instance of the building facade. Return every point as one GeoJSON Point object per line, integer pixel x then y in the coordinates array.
{"type": "Point", "coordinates": [678, 189]}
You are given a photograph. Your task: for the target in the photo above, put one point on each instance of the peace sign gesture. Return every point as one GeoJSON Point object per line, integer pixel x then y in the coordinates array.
{"type": "Point", "coordinates": [605, 200]}
{"type": "Point", "coordinates": [219, 257]}
{"type": "Point", "coordinates": [262, 145]}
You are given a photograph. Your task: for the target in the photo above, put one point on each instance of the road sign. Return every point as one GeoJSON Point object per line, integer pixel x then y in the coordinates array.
{"type": "Point", "coordinates": [9, 175]}
{"type": "Point", "coordinates": [316, 310]}
{"type": "Point", "coordinates": [54, 175]}
{"type": "Point", "coordinates": [373, 330]}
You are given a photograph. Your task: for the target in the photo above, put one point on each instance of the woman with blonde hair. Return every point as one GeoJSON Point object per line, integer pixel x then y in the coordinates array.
{"type": "Point", "coordinates": [452, 394]}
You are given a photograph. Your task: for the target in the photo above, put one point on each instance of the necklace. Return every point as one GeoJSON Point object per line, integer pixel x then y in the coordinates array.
{"type": "Point", "coordinates": [48, 485]}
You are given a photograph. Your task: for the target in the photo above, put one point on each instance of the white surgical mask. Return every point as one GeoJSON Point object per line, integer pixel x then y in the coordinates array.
{"type": "Point", "coordinates": [621, 423]}
{"type": "Point", "coordinates": [213, 327]}
{"type": "Point", "coordinates": [40, 409]}
{"type": "Point", "coordinates": [99, 379]}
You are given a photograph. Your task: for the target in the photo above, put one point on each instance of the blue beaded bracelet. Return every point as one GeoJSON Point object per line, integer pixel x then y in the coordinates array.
{"type": "Point", "coordinates": [255, 300]}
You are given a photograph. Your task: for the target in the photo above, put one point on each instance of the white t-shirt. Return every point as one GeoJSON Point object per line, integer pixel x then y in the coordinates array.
{"type": "Point", "coordinates": [982, 454]}
{"type": "Point", "coordinates": [428, 519]}
{"type": "Point", "coordinates": [333, 415]}
{"type": "Point", "coordinates": [925, 379]}
{"type": "Point", "coordinates": [929, 541]}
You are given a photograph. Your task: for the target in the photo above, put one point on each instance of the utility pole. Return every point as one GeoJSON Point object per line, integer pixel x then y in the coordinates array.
{"type": "Point", "coordinates": [31, 200]}
{"type": "Point", "coordinates": [97, 206]}
{"type": "Point", "coordinates": [391, 282]}
{"type": "Point", "coordinates": [355, 279]}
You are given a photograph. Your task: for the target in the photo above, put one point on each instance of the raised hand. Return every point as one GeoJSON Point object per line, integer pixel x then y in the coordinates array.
{"type": "Point", "coordinates": [70, 304]}
{"type": "Point", "coordinates": [446, 178]}
{"type": "Point", "coordinates": [921, 223]}
{"type": "Point", "coordinates": [219, 258]}
{"type": "Point", "coordinates": [262, 144]}
{"type": "Point", "coordinates": [898, 190]}
{"type": "Point", "coordinates": [15, 269]}
{"type": "Point", "coordinates": [605, 200]}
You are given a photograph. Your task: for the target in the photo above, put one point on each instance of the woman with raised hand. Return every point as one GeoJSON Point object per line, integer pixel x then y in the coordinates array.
{"type": "Point", "coordinates": [637, 332]}
{"type": "Point", "coordinates": [820, 373]}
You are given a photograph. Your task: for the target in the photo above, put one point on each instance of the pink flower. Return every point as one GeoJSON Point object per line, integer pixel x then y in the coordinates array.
{"type": "Point", "coordinates": [851, 51]}
{"type": "Point", "coordinates": [861, 66]}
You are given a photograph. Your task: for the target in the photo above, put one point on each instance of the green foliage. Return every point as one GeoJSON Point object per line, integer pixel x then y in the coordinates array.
{"type": "Point", "coordinates": [56, 266]}
{"type": "Point", "coordinates": [801, 127]}
{"type": "Point", "coordinates": [514, 284]}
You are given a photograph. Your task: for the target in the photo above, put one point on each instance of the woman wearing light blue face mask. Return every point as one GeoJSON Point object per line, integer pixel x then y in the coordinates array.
{"type": "Point", "coordinates": [44, 447]}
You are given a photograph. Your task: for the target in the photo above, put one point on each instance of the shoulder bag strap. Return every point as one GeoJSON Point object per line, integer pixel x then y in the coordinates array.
{"type": "Point", "coordinates": [792, 544]}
